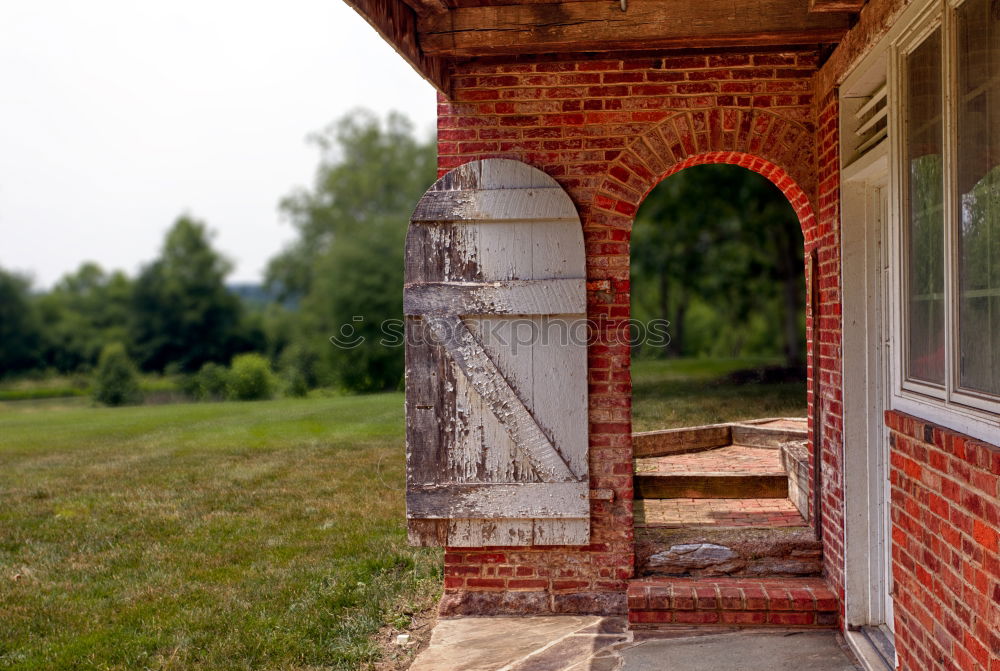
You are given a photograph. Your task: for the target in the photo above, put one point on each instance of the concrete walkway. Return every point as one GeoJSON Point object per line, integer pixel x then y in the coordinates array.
{"type": "Point", "coordinates": [585, 643]}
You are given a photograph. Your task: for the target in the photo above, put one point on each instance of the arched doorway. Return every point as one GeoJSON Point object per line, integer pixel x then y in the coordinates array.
{"type": "Point", "coordinates": [722, 468]}
{"type": "Point", "coordinates": [717, 297]}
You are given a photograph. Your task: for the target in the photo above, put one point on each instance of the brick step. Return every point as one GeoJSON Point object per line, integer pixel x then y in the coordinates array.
{"type": "Point", "coordinates": [735, 459]}
{"type": "Point", "coordinates": [717, 513]}
{"type": "Point", "coordinates": [713, 485]}
{"type": "Point", "coordinates": [771, 433]}
{"type": "Point", "coordinates": [728, 551]}
{"type": "Point", "coordinates": [728, 472]}
{"type": "Point", "coordinates": [731, 602]}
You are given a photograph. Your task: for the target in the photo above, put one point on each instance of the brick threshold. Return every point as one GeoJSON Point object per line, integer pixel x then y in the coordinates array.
{"type": "Point", "coordinates": [662, 602]}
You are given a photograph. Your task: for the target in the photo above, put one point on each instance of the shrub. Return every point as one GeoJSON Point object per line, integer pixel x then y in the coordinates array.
{"type": "Point", "coordinates": [116, 381]}
{"type": "Point", "coordinates": [250, 378]}
{"type": "Point", "coordinates": [295, 384]}
{"type": "Point", "coordinates": [211, 383]}
{"type": "Point", "coordinates": [188, 384]}
{"type": "Point", "coordinates": [298, 365]}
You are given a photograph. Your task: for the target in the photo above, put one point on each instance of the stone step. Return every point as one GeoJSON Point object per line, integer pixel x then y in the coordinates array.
{"type": "Point", "coordinates": [731, 602]}
{"type": "Point", "coordinates": [711, 485]}
{"type": "Point", "coordinates": [727, 551]}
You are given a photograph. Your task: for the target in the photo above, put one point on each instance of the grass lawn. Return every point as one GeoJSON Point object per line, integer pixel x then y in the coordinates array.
{"type": "Point", "coordinates": [265, 535]}
{"type": "Point", "coordinates": [687, 392]}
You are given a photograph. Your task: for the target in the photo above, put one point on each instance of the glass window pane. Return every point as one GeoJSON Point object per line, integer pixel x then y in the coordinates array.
{"type": "Point", "coordinates": [979, 193]}
{"type": "Point", "coordinates": [925, 231]}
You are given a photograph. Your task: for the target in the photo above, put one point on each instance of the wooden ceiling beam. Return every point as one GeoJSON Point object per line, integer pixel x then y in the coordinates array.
{"type": "Point", "coordinates": [396, 22]}
{"type": "Point", "coordinates": [428, 7]}
{"type": "Point", "coordinates": [836, 5]}
{"type": "Point", "coordinates": [646, 24]}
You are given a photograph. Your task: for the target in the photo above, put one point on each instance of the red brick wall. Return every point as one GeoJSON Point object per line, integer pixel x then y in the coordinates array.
{"type": "Point", "coordinates": [609, 129]}
{"type": "Point", "coordinates": [825, 333]}
{"type": "Point", "coordinates": [945, 556]}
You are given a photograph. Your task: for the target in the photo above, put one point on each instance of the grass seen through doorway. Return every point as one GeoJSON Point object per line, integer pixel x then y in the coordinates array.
{"type": "Point", "coordinates": [673, 393]}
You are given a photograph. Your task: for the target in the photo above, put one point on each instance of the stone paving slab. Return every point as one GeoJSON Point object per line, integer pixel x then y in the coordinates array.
{"type": "Point", "coordinates": [743, 651]}
{"type": "Point", "coordinates": [518, 643]}
{"type": "Point", "coordinates": [583, 643]}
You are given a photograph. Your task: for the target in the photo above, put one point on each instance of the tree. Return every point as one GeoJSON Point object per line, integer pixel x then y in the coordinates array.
{"type": "Point", "coordinates": [85, 310]}
{"type": "Point", "coordinates": [299, 366]}
{"type": "Point", "coordinates": [182, 312]}
{"type": "Point", "coordinates": [368, 169]}
{"type": "Point", "coordinates": [678, 230]}
{"type": "Point", "coordinates": [20, 327]}
{"type": "Point", "coordinates": [116, 381]}
{"type": "Point", "coordinates": [346, 264]}
{"type": "Point", "coordinates": [359, 284]}
{"type": "Point", "coordinates": [723, 241]}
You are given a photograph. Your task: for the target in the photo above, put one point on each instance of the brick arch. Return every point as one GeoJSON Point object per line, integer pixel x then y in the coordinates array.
{"type": "Point", "coordinates": [779, 149]}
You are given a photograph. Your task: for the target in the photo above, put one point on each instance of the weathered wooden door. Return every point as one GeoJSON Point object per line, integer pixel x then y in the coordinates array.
{"type": "Point", "coordinates": [496, 363]}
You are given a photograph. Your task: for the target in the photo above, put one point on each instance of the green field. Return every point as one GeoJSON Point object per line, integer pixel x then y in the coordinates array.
{"type": "Point", "coordinates": [156, 388]}
{"type": "Point", "coordinates": [265, 535]}
{"type": "Point", "coordinates": [261, 535]}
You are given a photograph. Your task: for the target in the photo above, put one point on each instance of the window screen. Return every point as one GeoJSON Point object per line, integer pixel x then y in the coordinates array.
{"type": "Point", "coordinates": [925, 235]}
{"type": "Point", "coordinates": [978, 154]}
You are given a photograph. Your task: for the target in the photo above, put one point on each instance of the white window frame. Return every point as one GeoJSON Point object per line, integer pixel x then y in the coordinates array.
{"type": "Point", "coordinates": [948, 405]}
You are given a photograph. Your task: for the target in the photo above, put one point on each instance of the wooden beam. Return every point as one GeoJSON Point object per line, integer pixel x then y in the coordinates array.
{"type": "Point", "coordinates": [678, 441]}
{"type": "Point", "coordinates": [512, 297]}
{"type": "Point", "coordinates": [427, 7]}
{"type": "Point", "coordinates": [396, 22]}
{"type": "Point", "coordinates": [498, 500]}
{"type": "Point", "coordinates": [647, 24]}
{"type": "Point", "coordinates": [836, 5]}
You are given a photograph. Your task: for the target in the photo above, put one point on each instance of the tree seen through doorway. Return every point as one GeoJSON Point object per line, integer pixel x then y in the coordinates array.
{"type": "Point", "coordinates": [717, 251]}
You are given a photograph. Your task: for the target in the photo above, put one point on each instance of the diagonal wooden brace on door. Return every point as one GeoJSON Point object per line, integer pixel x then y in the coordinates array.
{"type": "Point", "coordinates": [491, 385]}
{"type": "Point", "coordinates": [442, 304]}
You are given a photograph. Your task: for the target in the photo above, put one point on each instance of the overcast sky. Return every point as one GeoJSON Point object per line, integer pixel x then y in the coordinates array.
{"type": "Point", "coordinates": [116, 116]}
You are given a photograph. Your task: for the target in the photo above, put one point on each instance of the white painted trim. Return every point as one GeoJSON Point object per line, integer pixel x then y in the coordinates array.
{"type": "Point", "coordinates": [871, 164]}
{"type": "Point", "coordinates": [876, 98]}
{"type": "Point", "coordinates": [955, 417]}
{"type": "Point", "coordinates": [864, 378]}
{"type": "Point", "coordinates": [865, 239]}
